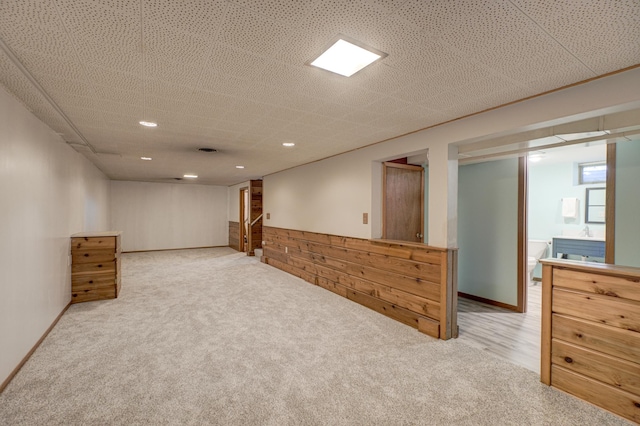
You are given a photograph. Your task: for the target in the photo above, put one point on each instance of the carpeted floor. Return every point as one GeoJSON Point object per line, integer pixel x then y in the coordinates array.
{"type": "Point", "coordinates": [211, 336]}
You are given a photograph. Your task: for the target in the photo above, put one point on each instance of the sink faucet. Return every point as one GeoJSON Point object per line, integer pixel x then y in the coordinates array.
{"type": "Point", "coordinates": [585, 231]}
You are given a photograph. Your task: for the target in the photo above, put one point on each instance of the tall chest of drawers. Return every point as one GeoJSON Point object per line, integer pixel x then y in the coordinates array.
{"type": "Point", "coordinates": [95, 266]}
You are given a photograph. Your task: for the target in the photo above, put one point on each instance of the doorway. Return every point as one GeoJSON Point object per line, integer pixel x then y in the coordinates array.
{"type": "Point", "coordinates": [403, 202]}
{"type": "Point", "coordinates": [251, 217]}
{"type": "Point", "coordinates": [244, 219]}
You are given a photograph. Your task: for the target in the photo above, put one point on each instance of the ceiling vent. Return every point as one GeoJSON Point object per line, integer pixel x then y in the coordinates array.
{"type": "Point", "coordinates": [207, 150]}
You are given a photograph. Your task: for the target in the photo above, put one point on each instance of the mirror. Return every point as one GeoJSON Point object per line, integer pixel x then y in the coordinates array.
{"type": "Point", "coordinates": [595, 205]}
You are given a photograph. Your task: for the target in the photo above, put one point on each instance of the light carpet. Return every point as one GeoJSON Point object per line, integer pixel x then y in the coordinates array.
{"type": "Point", "coordinates": [212, 336]}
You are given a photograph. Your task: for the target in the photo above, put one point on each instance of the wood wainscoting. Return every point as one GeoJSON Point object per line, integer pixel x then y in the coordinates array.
{"type": "Point", "coordinates": [591, 333]}
{"type": "Point", "coordinates": [410, 282]}
{"type": "Point", "coordinates": [234, 235]}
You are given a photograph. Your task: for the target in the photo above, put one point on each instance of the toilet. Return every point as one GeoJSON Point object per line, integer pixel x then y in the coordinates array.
{"type": "Point", "coordinates": [535, 250]}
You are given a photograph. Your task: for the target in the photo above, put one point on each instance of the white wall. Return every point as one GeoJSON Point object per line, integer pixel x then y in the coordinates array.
{"type": "Point", "coordinates": [48, 192]}
{"type": "Point", "coordinates": [627, 250]}
{"type": "Point", "coordinates": [488, 230]}
{"type": "Point", "coordinates": [158, 216]}
{"type": "Point", "coordinates": [233, 201]}
{"type": "Point", "coordinates": [330, 196]}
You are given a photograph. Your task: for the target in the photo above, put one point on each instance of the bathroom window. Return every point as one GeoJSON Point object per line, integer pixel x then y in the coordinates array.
{"type": "Point", "coordinates": [592, 172]}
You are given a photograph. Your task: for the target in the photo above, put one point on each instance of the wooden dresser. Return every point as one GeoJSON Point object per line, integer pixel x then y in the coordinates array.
{"type": "Point", "coordinates": [591, 333]}
{"type": "Point", "coordinates": [95, 266]}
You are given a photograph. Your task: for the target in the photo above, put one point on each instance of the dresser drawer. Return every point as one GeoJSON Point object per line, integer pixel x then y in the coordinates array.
{"type": "Point", "coordinates": [93, 268]}
{"type": "Point", "coordinates": [608, 397]}
{"type": "Point", "coordinates": [93, 256]}
{"type": "Point", "coordinates": [85, 281]}
{"type": "Point", "coordinates": [93, 294]}
{"type": "Point", "coordinates": [93, 243]}
{"type": "Point", "coordinates": [617, 372]}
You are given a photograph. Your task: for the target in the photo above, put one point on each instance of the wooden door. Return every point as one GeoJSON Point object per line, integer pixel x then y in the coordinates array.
{"type": "Point", "coordinates": [403, 202]}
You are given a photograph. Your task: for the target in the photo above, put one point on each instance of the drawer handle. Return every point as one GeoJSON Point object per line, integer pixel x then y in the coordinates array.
{"type": "Point", "coordinates": [568, 359]}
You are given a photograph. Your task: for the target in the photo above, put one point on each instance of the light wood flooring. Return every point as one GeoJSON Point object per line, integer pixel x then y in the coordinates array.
{"type": "Point", "coordinates": [507, 334]}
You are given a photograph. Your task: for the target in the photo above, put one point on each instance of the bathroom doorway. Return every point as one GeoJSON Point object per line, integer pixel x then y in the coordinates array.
{"type": "Point", "coordinates": [488, 196]}
{"type": "Point", "coordinates": [565, 210]}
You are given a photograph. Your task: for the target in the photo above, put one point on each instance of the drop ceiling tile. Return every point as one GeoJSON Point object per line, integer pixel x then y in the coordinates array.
{"type": "Point", "coordinates": [290, 11]}
{"type": "Point", "coordinates": [572, 25]}
{"type": "Point", "coordinates": [223, 85]}
{"type": "Point", "coordinates": [157, 68]}
{"type": "Point", "coordinates": [46, 40]}
{"type": "Point", "coordinates": [171, 46]}
{"type": "Point", "coordinates": [557, 77]}
{"type": "Point", "coordinates": [42, 65]}
{"type": "Point", "coordinates": [358, 20]}
{"type": "Point", "coordinates": [234, 62]}
{"type": "Point", "coordinates": [387, 105]}
{"type": "Point", "coordinates": [111, 78]}
{"type": "Point", "coordinates": [79, 87]}
{"type": "Point", "coordinates": [445, 100]}
{"type": "Point", "coordinates": [202, 17]}
{"type": "Point", "coordinates": [247, 30]}
{"type": "Point", "coordinates": [121, 96]}
{"type": "Point", "coordinates": [89, 22]}
{"type": "Point", "coordinates": [69, 100]}
{"type": "Point", "coordinates": [171, 90]}
{"type": "Point", "coordinates": [39, 13]}
{"type": "Point", "coordinates": [382, 78]}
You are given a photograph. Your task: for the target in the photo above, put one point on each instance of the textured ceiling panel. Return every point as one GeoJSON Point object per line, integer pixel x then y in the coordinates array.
{"type": "Point", "coordinates": [201, 17]}
{"type": "Point", "coordinates": [232, 74]}
{"type": "Point", "coordinates": [292, 11]}
{"type": "Point", "coordinates": [258, 35]}
{"type": "Point", "coordinates": [572, 24]}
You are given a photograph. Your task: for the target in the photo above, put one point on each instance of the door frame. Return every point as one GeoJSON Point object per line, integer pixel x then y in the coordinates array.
{"type": "Point", "coordinates": [523, 220]}
{"type": "Point", "coordinates": [387, 164]}
{"type": "Point", "coordinates": [243, 245]}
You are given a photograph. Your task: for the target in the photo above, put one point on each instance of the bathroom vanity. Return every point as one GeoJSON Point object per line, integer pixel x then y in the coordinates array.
{"type": "Point", "coordinates": [578, 246]}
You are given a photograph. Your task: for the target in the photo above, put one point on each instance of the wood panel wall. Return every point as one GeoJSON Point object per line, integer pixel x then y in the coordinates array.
{"type": "Point", "coordinates": [234, 235]}
{"type": "Point", "coordinates": [409, 282]}
{"type": "Point", "coordinates": [591, 333]}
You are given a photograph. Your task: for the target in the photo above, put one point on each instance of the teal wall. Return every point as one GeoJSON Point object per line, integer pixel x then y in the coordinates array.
{"type": "Point", "coordinates": [548, 185]}
{"type": "Point", "coordinates": [488, 230]}
{"type": "Point", "coordinates": [627, 250]}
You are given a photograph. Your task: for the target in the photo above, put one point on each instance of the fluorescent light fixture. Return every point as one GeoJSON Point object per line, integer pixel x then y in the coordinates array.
{"type": "Point", "coordinates": [190, 176]}
{"type": "Point", "coordinates": [288, 144]}
{"type": "Point", "coordinates": [347, 57]}
{"type": "Point", "coordinates": [146, 158]}
{"type": "Point", "coordinates": [535, 157]}
{"type": "Point", "coordinates": [239, 167]}
{"type": "Point", "coordinates": [149, 124]}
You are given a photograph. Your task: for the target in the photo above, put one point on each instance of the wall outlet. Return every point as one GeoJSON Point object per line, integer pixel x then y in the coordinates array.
{"type": "Point", "coordinates": [365, 218]}
{"type": "Point", "coordinates": [268, 216]}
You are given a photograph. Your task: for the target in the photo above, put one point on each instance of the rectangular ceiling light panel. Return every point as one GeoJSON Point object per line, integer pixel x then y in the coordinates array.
{"type": "Point", "coordinates": [346, 58]}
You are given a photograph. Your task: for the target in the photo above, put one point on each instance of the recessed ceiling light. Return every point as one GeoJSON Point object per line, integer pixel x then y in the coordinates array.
{"type": "Point", "coordinates": [239, 167]}
{"type": "Point", "coordinates": [149, 124]}
{"type": "Point", "coordinates": [288, 144]}
{"type": "Point", "coordinates": [190, 176]}
{"type": "Point", "coordinates": [347, 58]}
{"type": "Point", "coordinates": [146, 158]}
